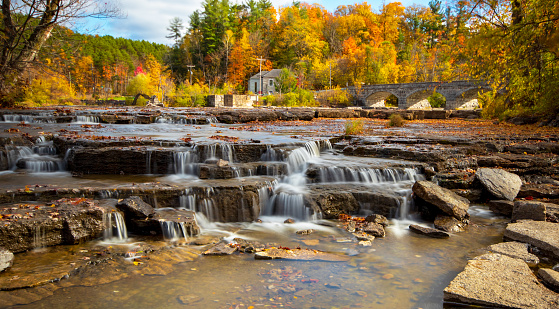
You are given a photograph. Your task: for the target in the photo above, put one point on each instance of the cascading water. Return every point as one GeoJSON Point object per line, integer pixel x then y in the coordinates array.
{"type": "Point", "coordinates": [173, 231]}
{"type": "Point", "coordinates": [288, 195]}
{"type": "Point", "coordinates": [186, 162]}
{"type": "Point", "coordinates": [115, 228]}
{"type": "Point", "coordinates": [38, 159]}
{"type": "Point", "coordinates": [367, 175]}
{"type": "Point", "coordinates": [86, 119]}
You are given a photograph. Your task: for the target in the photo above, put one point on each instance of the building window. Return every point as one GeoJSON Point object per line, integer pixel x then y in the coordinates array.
{"type": "Point", "coordinates": [255, 87]}
{"type": "Point", "coordinates": [271, 82]}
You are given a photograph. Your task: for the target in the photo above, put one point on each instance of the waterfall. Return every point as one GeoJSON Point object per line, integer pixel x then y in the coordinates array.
{"type": "Point", "coordinates": [39, 237]}
{"type": "Point", "coordinates": [227, 152]}
{"type": "Point", "coordinates": [288, 194]}
{"type": "Point", "coordinates": [367, 175]}
{"type": "Point", "coordinates": [173, 231]}
{"type": "Point", "coordinates": [187, 201]}
{"type": "Point", "coordinates": [18, 118]}
{"type": "Point", "coordinates": [86, 119]}
{"type": "Point", "coordinates": [186, 163]}
{"type": "Point", "coordinates": [115, 228]}
{"type": "Point", "coordinates": [271, 154]}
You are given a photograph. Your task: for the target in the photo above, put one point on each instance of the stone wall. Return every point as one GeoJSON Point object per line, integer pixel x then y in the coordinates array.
{"type": "Point", "coordinates": [215, 100]}
{"type": "Point", "coordinates": [234, 100]}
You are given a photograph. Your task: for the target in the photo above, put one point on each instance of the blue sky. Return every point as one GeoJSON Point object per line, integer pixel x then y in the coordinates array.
{"type": "Point", "coordinates": [149, 19]}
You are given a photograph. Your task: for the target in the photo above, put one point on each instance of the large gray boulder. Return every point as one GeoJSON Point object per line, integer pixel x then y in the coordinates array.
{"type": "Point", "coordinates": [444, 199]}
{"type": "Point", "coordinates": [496, 280]}
{"type": "Point", "coordinates": [528, 210]}
{"type": "Point", "coordinates": [6, 259]}
{"type": "Point", "coordinates": [502, 207]}
{"type": "Point", "coordinates": [541, 234]}
{"type": "Point", "coordinates": [135, 208]}
{"type": "Point", "coordinates": [427, 231]}
{"type": "Point", "coordinates": [499, 183]}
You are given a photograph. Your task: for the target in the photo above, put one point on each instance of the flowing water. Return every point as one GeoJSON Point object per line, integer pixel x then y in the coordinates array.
{"type": "Point", "coordinates": [402, 270]}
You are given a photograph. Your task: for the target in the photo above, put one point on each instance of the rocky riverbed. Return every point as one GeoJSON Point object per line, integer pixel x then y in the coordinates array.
{"type": "Point", "coordinates": [104, 197]}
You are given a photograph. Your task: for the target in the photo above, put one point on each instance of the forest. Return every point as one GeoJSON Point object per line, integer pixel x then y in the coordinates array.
{"type": "Point", "coordinates": [510, 43]}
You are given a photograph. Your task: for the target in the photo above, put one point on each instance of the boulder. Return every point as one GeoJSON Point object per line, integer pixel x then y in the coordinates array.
{"type": "Point", "coordinates": [376, 218]}
{"type": "Point", "coordinates": [550, 277]}
{"type": "Point", "coordinates": [495, 280]}
{"type": "Point", "coordinates": [449, 224]}
{"type": "Point", "coordinates": [528, 210]}
{"type": "Point", "coordinates": [6, 259]}
{"type": "Point", "coordinates": [499, 183]}
{"type": "Point", "coordinates": [514, 249]}
{"type": "Point", "coordinates": [540, 234]}
{"type": "Point", "coordinates": [444, 199]}
{"type": "Point", "coordinates": [502, 207]}
{"type": "Point", "coordinates": [427, 231]}
{"type": "Point", "coordinates": [135, 208]}
{"type": "Point", "coordinates": [374, 229]}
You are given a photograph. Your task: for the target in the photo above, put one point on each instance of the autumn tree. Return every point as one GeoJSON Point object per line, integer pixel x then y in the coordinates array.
{"type": "Point", "coordinates": [26, 26]}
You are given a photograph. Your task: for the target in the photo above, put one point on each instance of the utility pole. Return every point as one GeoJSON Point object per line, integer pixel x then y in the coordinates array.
{"type": "Point", "coordinates": [260, 60]}
{"type": "Point", "coordinates": [190, 66]}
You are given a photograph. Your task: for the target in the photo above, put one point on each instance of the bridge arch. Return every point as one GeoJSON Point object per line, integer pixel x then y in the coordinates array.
{"type": "Point", "coordinates": [378, 99]}
{"type": "Point", "coordinates": [468, 99]}
{"type": "Point", "coordinates": [419, 99]}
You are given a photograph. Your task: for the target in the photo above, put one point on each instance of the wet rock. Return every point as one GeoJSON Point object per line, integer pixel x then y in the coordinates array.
{"type": "Point", "coordinates": [350, 227]}
{"type": "Point", "coordinates": [444, 199]}
{"type": "Point", "coordinates": [298, 254]}
{"type": "Point", "coordinates": [248, 246]}
{"type": "Point", "coordinates": [135, 208]}
{"type": "Point", "coordinates": [540, 234]}
{"type": "Point", "coordinates": [305, 232]}
{"type": "Point", "coordinates": [70, 221]}
{"type": "Point", "coordinates": [495, 280]}
{"type": "Point", "coordinates": [362, 236]}
{"type": "Point", "coordinates": [175, 223]}
{"type": "Point", "coordinates": [189, 299]}
{"type": "Point", "coordinates": [6, 259]}
{"type": "Point", "coordinates": [550, 277]}
{"type": "Point", "coordinates": [427, 231]}
{"type": "Point", "coordinates": [514, 249]}
{"type": "Point", "coordinates": [289, 221]}
{"type": "Point", "coordinates": [449, 224]}
{"type": "Point", "coordinates": [499, 183]}
{"type": "Point", "coordinates": [333, 285]}
{"type": "Point", "coordinates": [529, 210]}
{"type": "Point", "coordinates": [374, 229]}
{"type": "Point", "coordinates": [502, 207]}
{"type": "Point", "coordinates": [376, 218]}
{"type": "Point", "coordinates": [220, 249]}
{"type": "Point", "coordinates": [332, 203]}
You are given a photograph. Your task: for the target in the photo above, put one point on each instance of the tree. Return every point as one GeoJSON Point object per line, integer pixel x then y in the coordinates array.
{"type": "Point", "coordinates": [510, 47]}
{"type": "Point", "coordinates": [175, 30]}
{"type": "Point", "coordinates": [26, 26]}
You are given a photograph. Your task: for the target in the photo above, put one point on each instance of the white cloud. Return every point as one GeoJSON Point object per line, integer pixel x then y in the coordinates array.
{"type": "Point", "coordinates": [148, 20]}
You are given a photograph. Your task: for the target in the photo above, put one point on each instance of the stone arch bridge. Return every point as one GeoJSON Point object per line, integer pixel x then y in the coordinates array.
{"type": "Point", "coordinates": [458, 94]}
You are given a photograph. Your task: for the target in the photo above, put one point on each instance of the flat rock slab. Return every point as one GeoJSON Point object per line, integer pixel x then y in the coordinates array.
{"type": "Point", "coordinates": [220, 249]}
{"type": "Point", "coordinates": [502, 207]}
{"type": "Point", "coordinates": [449, 224]}
{"type": "Point", "coordinates": [500, 183]}
{"type": "Point", "coordinates": [496, 280]}
{"type": "Point", "coordinates": [446, 200]}
{"type": "Point", "coordinates": [550, 278]}
{"type": "Point", "coordinates": [514, 249]}
{"type": "Point", "coordinates": [541, 234]}
{"type": "Point", "coordinates": [427, 231]}
{"type": "Point", "coordinates": [299, 254]}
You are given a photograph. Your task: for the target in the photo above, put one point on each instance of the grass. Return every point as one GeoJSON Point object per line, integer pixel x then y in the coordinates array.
{"type": "Point", "coordinates": [396, 120]}
{"type": "Point", "coordinates": [353, 127]}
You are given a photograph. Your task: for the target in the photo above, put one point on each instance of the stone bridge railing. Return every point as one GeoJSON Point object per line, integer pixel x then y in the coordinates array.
{"type": "Point", "coordinates": [458, 94]}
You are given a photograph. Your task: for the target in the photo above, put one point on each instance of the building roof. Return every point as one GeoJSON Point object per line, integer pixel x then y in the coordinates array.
{"type": "Point", "coordinates": [269, 74]}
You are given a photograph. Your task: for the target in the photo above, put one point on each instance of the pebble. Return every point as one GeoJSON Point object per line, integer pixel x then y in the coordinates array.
{"type": "Point", "coordinates": [388, 276]}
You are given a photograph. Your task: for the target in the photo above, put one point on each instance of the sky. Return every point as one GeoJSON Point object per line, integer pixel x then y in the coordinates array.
{"type": "Point", "coordinates": [149, 19]}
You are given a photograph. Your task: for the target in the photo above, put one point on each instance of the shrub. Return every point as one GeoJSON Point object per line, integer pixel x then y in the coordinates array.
{"type": "Point", "coordinates": [355, 126]}
{"type": "Point", "coordinates": [437, 100]}
{"type": "Point", "coordinates": [396, 120]}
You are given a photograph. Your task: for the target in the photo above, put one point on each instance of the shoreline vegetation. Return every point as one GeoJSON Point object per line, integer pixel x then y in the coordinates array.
{"type": "Point", "coordinates": [514, 47]}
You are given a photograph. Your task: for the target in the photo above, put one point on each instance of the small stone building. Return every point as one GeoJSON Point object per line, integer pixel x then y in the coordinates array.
{"type": "Point", "coordinates": [268, 82]}
{"type": "Point", "coordinates": [230, 100]}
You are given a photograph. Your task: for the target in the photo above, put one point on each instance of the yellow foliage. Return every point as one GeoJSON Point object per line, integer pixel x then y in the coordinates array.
{"type": "Point", "coordinates": [49, 88]}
